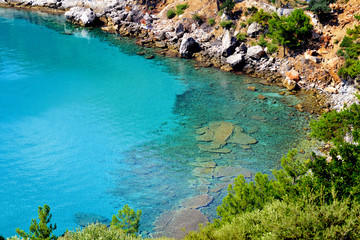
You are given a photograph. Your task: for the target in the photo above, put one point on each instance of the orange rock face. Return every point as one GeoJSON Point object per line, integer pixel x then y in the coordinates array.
{"type": "Point", "coordinates": [293, 75]}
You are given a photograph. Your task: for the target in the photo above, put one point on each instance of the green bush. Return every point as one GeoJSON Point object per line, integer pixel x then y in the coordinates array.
{"type": "Point", "coordinates": [98, 231]}
{"type": "Point", "coordinates": [127, 219]}
{"type": "Point", "coordinates": [40, 231]}
{"type": "Point", "coordinates": [301, 219]}
{"type": "Point", "coordinates": [350, 49]}
{"type": "Point", "coordinates": [181, 8]}
{"type": "Point", "coordinates": [241, 37]}
{"type": "Point", "coordinates": [170, 14]}
{"type": "Point", "coordinates": [227, 6]}
{"type": "Point", "coordinates": [243, 25]}
{"type": "Point", "coordinates": [272, 48]}
{"type": "Point", "coordinates": [357, 16]}
{"type": "Point", "coordinates": [290, 31]}
{"type": "Point", "coordinates": [261, 17]}
{"type": "Point", "coordinates": [262, 42]}
{"type": "Point", "coordinates": [226, 24]}
{"type": "Point", "coordinates": [211, 21]}
{"type": "Point", "coordinates": [197, 18]}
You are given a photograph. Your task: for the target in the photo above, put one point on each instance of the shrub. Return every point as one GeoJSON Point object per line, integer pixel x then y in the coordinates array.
{"type": "Point", "coordinates": [301, 219]}
{"type": "Point", "coordinates": [211, 21]}
{"type": "Point", "coordinates": [170, 14]}
{"type": "Point", "coordinates": [243, 25]}
{"type": "Point", "coordinates": [241, 37]}
{"type": "Point", "coordinates": [262, 42]}
{"type": "Point", "coordinates": [226, 24]}
{"type": "Point", "coordinates": [98, 231]}
{"type": "Point", "coordinates": [227, 6]}
{"type": "Point", "coordinates": [40, 231]}
{"type": "Point", "coordinates": [261, 17]}
{"type": "Point", "coordinates": [127, 219]}
{"type": "Point", "coordinates": [197, 18]}
{"type": "Point", "coordinates": [181, 8]}
{"type": "Point", "coordinates": [271, 48]}
{"type": "Point", "coordinates": [357, 16]}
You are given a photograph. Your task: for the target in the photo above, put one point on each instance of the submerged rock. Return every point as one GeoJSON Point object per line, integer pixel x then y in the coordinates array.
{"type": "Point", "coordinates": [176, 224]}
{"type": "Point", "coordinates": [227, 171]}
{"type": "Point", "coordinates": [84, 219]}
{"type": "Point", "coordinates": [197, 201]}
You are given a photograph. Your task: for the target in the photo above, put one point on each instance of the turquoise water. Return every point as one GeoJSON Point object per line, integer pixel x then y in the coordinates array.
{"type": "Point", "coordinates": [86, 125]}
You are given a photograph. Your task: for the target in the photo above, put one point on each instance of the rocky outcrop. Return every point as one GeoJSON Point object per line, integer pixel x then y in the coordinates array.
{"type": "Point", "coordinates": [81, 16]}
{"type": "Point", "coordinates": [188, 47]}
{"type": "Point", "coordinates": [236, 60]}
{"type": "Point", "coordinates": [254, 29]}
{"type": "Point", "coordinates": [228, 44]}
{"type": "Point", "coordinates": [255, 52]}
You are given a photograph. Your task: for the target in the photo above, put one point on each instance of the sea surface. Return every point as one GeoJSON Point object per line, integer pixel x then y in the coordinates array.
{"type": "Point", "coordinates": [87, 126]}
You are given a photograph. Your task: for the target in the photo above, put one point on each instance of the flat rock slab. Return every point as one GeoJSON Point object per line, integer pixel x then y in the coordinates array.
{"type": "Point", "coordinates": [209, 164]}
{"type": "Point", "coordinates": [227, 171]}
{"type": "Point", "coordinates": [173, 223]}
{"type": "Point", "coordinates": [197, 201]}
{"type": "Point", "coordinates": [203, 172]}
{"type": "Point", "coordinates": [239, 137]}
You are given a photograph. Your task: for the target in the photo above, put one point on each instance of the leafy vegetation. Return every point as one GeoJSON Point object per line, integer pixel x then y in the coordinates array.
{"type": "Point", "coordinates": [127, 219]}
{"type": "Point", "coordinates": [290, 31]}
{"type": "Point", "coordinates": [241, 37]}
{"type": "Point", "coordinates": [170, 14]}
{"type": "Point", "coordinates": [226, 24]}
{"type": "Point", "coordinates": [211, 21]}
{"type": "Point", "coordinates": [272, 48]}
{"type": "Point", "coordinates": [41, 230]}
{"type": "Point", "coordinates": [260, 17]}
{"type": "Point", "coordinates": [350, 49]}
{"type": "Point", "coordinates": [181, 8]}
{"type": "Point", "coordinates": [98, 231]}
{"type": "Point", "coordinates": [320, 7]}
{"type": "Point", "coordinates": [197, 18]}
{"type": "Point", "coordinates": [227, 6]}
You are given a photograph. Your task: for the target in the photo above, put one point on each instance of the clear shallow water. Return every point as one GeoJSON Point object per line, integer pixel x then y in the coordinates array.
{"type": "Point", "coordinates": [88, 126]}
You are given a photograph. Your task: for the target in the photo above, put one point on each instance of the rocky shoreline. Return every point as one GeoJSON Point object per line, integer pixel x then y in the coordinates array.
{"type": "Point", "coordinates": [188, 39]}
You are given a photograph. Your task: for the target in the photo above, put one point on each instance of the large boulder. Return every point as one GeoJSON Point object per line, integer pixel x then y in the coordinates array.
{"type": "Point", "coordinates": [254, 29]}
{"type": "Point", "coordinates": [236, 59]}
{"type": "Point", "coordinates": [81, 16]}
{"type": "Point", "coordinates": [289, 84]}
{"type": "Point", "coordinates": [188, 46]}
{"type": "Point", "coordinates": [293, 75]}
{"type": "Point", "coordinates": [228, 44]}
{"type": "Point", "coordinates": [255, 52]}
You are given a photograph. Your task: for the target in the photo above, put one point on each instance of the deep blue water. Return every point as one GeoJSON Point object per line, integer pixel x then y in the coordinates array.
{"type": "Point", "coordinates": [86, 125]}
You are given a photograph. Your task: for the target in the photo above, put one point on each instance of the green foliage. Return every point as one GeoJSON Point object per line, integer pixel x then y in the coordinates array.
{"type": "Point", "coordinates": [350, 49]}
{"type": "Point", "coordinates": [241, 37]}
{"type": "Point", "coordinates": [261, 17]}
{"type": "Point", "coordinates": [300, 219]}
{"type": "Point", "coordinates": [197, 18]}
{"type": "Point", "coordinates": [2, 238]}
{"type": "Point", "coordinates": [290, 31]}
{"type": "Point", "coordinates": [211, 21]}
{"type": "Point", "coordinates": [127, 219]}
{"type": "Point", "coordinates": [40, 231]}
{"type": "Point", "coordinates": [181, 8]}
{"type": "Point", "coordinates": [251, 10]}
{"type": "Point", "coordinates": [227, 6]}
{"type": "Point", "coordinates": [262, 42]}
{"type": "Point", "coordinates": [226, 24]}
{"type": "Point", "coordinates": [272, 48]}
{"type": "Point", "coordinates": [98, 231]}
{"type": "Point", "coordinates": [170, 14]}
{"type": "Point", "coordinates": [243, 25]}
{"type": "Point", "coordinates": [319, 7]}
{"type": "Point", "coordinates": [357, 16]}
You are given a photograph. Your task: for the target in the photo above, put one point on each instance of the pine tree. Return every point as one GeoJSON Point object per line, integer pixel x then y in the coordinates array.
{"type": "Point", "coordinates": [40, 231]}
{"type": "Point", "coordinates": [127, 219]}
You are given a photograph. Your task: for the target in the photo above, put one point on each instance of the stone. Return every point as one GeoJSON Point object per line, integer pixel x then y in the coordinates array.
{"type": "Point", "coordinates": [243, 48]}
{"type": "Point", "coordinates": [209, 164]}
{"type": "Point", "coordinates": [241, 138]}
{"type": "Point", "coordinates": [222, 130]}
{"type": "Point", "coordinates": [150, 56]}
{"type": "Point", "coordinates": [331, 90]}
{"type": "Point", "coordinates": [251, 88]}
{"type": "Point", "coordinates": [203, 172]}
{"type": "Point", "coordinates": [81, 16]}
{"type": "Point", "coordinates": [196, 202]}
{"type": "Point", "coordinates": [179, 29]}
{"type": "Point", "coordinates": [227, 171]}
{"type": "Point", "coordinates": [175, 224]}
{"type": "Point", "coordinates": [289, 84]}
{"type": "Point", "coordinates": [202, 189]}
{"type": "Point", "coordinates": [228, 44]}
{"type": "Point", "coordinates": [236, 59]}
{"type": "Point", "coordinates": [254, 29]}
{"type": "Point", "coordinates": [261, 97]}
{"type": "Point", "coordinates": [255, 52]}
{"type": "Point", "coordinates": [83, 219]}
{"type": "Point", "coordinates": [160, 44]}
{"type": "Point", "coordinates": [293, 75]}
{"type": "Point", "coordinates": [188, 47]}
